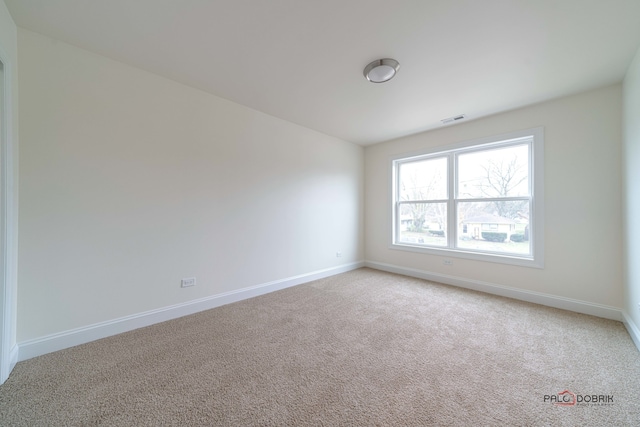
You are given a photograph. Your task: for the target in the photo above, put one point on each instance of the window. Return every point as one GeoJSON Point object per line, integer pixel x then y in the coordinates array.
{"type": "Point", "coordinates": [478, 199]}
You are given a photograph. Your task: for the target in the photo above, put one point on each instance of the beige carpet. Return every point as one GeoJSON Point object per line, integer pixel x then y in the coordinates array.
{"type": "Point", "coordinates": [361, 348]}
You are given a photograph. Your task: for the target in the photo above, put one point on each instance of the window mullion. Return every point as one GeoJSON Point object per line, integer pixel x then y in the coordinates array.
{"type": "Point", "coordinates": [407, 202]}
{"type": "Point", "coordinates": [452, 227]}
{"type": "Point", "coordinates": [497, 199]}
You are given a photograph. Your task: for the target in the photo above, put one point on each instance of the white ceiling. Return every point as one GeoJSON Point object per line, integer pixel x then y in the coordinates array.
{"type": "Point", "coordinates": [302, 60]}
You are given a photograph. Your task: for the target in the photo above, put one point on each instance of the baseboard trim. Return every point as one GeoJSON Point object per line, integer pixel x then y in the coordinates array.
{"type": "Point", "coordinates": [13, 357]}
{"type": "Point", "coordinates": [578, 306]}
{"type": "Point", "coordinates": [12, 360]}
{"type": "Point", "coordinates": [54, 342]}
{"type": "Point", "coordinates": [632, 328]}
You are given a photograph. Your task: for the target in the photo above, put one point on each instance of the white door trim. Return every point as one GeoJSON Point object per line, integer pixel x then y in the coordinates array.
{"type": "Point", "coordinates": [8, 291]}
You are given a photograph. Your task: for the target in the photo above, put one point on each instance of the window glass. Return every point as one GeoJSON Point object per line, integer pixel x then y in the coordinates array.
{"type": "Point", "coordinates": [498, 226]}
{"type": "Point", "coordinates": [424, 180]}
{"type": "Point", "coordinates": [500, 172]}
{"type": "Point", "coordinates": [489, 212]}
{"type": "Point", "coordinates": [423, 224]}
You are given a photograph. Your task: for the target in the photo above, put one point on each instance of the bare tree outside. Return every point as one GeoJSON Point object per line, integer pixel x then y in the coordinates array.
{"type": "Point", "coordinates": [494, 174]}
{"type": "Point", "coordinates": [422, 182]}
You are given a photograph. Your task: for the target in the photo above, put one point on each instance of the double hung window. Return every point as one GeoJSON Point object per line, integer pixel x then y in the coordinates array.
{"type": "Point", "coordinates": [479, 199]}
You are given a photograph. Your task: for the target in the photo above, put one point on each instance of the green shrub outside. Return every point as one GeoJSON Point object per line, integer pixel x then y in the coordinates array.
{"type": "Point", "coordinates": [494, 236]}
{"type": "Point", "coordinates": [517, 237]}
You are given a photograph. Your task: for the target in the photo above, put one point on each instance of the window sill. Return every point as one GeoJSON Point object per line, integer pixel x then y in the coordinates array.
{"type": "Point", "coordinates": [509, 259]}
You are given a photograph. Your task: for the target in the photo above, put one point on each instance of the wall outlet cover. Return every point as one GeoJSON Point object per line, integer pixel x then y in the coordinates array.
{"type": "Point", "coordinates": [185, 283]}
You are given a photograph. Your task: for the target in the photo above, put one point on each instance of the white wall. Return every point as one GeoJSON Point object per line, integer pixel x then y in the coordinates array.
{"type": "Point", "coordinates": [130, 182]}
{"type": "Point", "coordinates": [631, 168]}
{"type": "Point", "coordinates": [8, 171]}
{"type": "Point", "coordinates": [582, 199]}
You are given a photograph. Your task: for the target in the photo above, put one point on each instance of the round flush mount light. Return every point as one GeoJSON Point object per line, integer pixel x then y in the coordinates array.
{"type": "Point", "coordinates": [381, 70]}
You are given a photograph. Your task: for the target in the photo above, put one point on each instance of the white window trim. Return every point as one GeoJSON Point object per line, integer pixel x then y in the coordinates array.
{"type": "Point", "coordinates": [536, 172]}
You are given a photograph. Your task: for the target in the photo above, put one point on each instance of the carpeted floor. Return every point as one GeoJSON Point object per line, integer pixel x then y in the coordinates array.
{"type": "Point", "coordinates": [362, 348]}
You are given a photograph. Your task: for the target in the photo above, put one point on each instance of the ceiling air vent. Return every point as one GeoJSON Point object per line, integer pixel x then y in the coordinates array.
{"type": "Point", "coordinates": [453, 119]}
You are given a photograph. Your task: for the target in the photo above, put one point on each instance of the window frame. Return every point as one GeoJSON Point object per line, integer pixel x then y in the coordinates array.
{"type": "Point", "coordinates": [535, 140]}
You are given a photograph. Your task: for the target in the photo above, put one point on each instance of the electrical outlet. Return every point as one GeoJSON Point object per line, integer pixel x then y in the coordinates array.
{"type": "Point", "coordinates": [185, 283]}
{"type": "Point", "coordinates": [447, 262]}
{"type": "Point", "coordinates": [338, 254]}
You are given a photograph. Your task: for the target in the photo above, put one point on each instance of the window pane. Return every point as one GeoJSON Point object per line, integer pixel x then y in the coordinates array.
{"type": "Point", "coordinates": [501, 227]}
{"type": "Point", "coordinates": [423, 224]}
{"type": "Point", "coordinates": [423, 180]}
{"type": "Point", "coordinates": [501, 172]}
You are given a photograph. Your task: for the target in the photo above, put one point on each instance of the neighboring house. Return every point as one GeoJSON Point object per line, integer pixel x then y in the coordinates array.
{"type": "Point", "coordinates": [474, 226]}
{"type": "Point", "coordinates": [406, 220]}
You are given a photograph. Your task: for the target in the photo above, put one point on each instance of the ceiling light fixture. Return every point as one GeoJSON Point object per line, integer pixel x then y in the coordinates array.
{"type": "Point", "coordinates": [381, 70]}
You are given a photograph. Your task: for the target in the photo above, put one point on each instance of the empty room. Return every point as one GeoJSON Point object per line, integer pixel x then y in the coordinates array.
{"type": "Point", "coordinates": [319, 212]}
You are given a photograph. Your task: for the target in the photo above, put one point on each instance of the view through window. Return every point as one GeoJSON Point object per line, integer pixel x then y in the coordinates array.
{"type": "Point", "coordinates": [471, 199]}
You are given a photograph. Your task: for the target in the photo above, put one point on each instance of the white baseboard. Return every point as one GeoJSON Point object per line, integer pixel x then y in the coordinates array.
{"type": "Point", "coordinates": [578, 306]}
{"type": "Point", "coordinates": [13, 357]}
{"type": "Point", "coordinates": [54, 342]}
{"type": "Point", "coordinates": [632, 328]}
